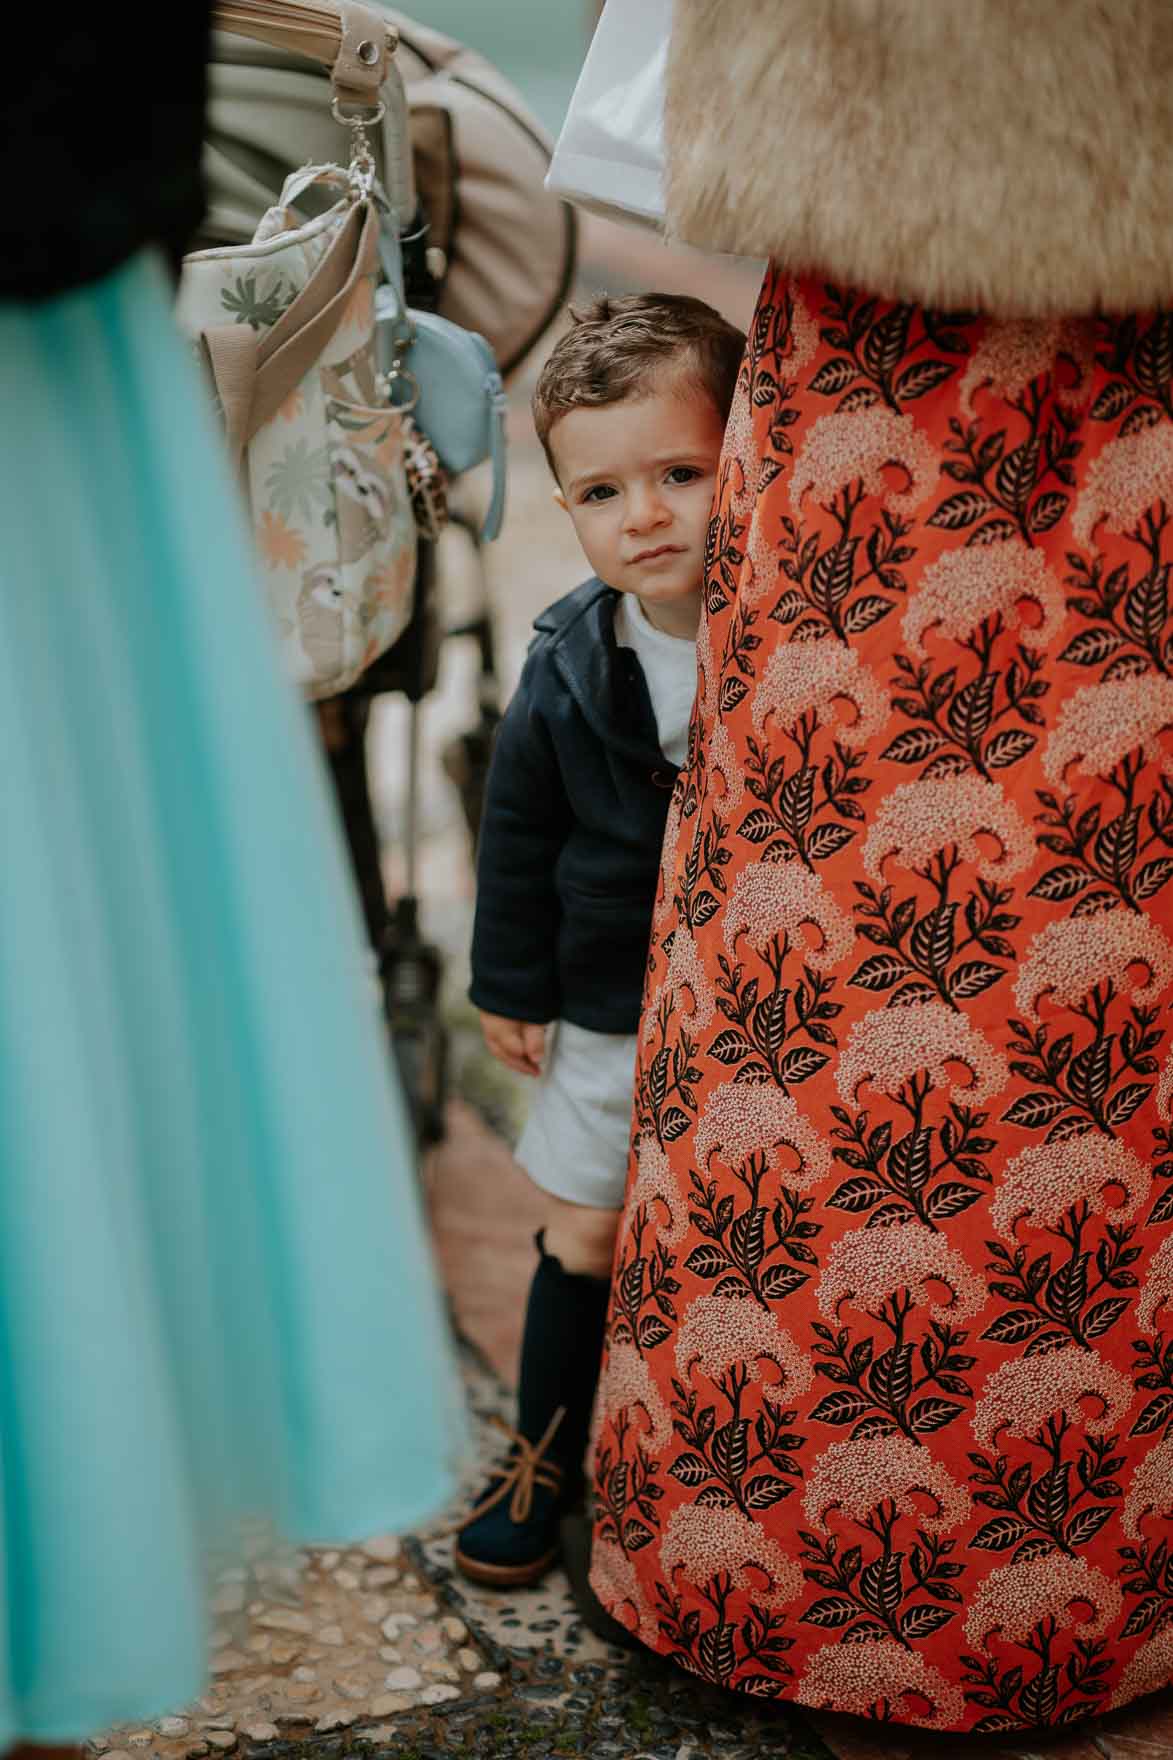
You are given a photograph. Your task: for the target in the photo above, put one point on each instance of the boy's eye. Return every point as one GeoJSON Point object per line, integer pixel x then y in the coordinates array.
{"type": "Point", "coordinates": [599, 492]}
{"type": "Point", "coordinates": [683, 473]}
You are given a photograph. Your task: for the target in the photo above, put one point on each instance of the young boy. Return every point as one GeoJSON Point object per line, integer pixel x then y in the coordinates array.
{"type": "Point", "coordinates": [630, 407]}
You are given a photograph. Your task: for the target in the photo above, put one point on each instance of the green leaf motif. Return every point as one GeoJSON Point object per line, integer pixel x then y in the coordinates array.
{"type": "Point", "coordinates": [258, 307]}
{"type": "Point", "coordinates": [299, 481]}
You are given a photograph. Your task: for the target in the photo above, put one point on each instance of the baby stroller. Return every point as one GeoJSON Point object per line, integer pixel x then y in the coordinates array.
{"type": "Point", "coordinates": [485, 246]}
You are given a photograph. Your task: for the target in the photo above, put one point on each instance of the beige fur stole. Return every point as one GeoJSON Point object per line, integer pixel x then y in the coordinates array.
{"type": "Point", "coordinates": [1010, 155]}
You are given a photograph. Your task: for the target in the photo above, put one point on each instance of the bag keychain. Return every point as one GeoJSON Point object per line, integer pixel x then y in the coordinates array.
{"type": "Point", "coordinates": [452, 388]}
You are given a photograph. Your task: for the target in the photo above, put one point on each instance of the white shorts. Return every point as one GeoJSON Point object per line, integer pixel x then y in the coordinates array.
{"type": "Point", "coordinates": [576, 1137]}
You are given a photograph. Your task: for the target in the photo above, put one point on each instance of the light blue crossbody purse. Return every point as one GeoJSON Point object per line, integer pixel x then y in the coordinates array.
{"type": "Point", "coordinates": [447, 376]}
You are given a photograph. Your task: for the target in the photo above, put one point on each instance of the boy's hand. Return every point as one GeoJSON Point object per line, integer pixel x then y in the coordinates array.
{"type": "Point", "coordinates": [520, 1045]}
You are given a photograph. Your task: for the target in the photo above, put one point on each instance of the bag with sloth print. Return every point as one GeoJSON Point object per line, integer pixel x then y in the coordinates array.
{"type": "Point", "coordinates": [286, 327]}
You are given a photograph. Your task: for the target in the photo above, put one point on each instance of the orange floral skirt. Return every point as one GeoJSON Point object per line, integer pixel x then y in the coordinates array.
{"type": "Point", "coordinates": [885, 1414]}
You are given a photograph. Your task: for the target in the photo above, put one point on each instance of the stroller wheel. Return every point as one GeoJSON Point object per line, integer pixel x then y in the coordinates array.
{"type": "Point", "coordinates": [422, 1058]}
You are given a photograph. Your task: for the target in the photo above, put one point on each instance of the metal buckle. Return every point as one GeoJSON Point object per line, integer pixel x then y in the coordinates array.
{"type": "Point", "coordinates": [371, 121]}
{"type": "Point", "coordinates": [362, 163]}
{"type": "Point", "coordinates": [387, 382]}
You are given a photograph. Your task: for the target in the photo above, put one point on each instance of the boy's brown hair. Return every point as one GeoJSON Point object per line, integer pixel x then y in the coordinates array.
{"type": "Point", "coordinates": [618, 345]}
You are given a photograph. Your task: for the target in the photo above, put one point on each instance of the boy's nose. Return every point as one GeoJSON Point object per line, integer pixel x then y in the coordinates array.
{"type": "Point", "coordinates": [644, 509]}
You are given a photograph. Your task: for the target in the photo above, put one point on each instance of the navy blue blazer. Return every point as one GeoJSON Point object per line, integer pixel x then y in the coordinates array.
{"type": "Point", "coordinates": [573, 825]}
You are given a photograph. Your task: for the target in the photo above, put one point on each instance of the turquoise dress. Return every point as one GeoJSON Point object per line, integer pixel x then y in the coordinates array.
{"type": "Point", "coordinates": [216, 1296]}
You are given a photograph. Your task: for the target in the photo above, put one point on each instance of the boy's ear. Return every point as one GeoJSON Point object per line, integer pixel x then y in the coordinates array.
{"type": "Point", "coordinates": [560, 499]}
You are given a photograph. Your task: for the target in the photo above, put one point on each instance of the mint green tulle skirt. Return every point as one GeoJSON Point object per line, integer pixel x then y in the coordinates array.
{"type": "Point", "coordinates": [217, 1301]}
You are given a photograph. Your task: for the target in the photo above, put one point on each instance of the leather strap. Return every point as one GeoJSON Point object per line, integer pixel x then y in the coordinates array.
{"type": "Point", "coordinates": [398, 166]}
{"type": "Point", "coordinates": [315, 29]}
{"type": "Point", "coordinates": [361, 66]}
{"type": "Point", "coordinates": [232, 357]}
{"type": "Point", "coordinates": [340, 34]}
{"type": "Point", "coordinates": [253, 378]}
{"type": "Point", "coordinates": [297, 339]}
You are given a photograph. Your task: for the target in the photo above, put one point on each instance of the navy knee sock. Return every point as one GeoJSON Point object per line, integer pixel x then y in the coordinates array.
{"type": "Point", "coordinates": [560, 1351]}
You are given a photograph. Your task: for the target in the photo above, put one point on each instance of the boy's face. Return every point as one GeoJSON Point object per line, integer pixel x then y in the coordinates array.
{"type": "Point", "coordinates": [637, 479]}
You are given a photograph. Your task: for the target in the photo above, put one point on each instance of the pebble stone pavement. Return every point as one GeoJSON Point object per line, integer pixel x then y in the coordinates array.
{"type": "Point", "coordinates": [379, 1649]}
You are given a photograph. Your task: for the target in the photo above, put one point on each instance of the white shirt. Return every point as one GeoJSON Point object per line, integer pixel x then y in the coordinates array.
{"type": "Point", "coordinates": [669, 666]}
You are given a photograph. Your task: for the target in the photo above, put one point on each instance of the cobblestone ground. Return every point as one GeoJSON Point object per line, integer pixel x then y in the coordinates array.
{"type": "Point", "coordinates": [381, 1649]}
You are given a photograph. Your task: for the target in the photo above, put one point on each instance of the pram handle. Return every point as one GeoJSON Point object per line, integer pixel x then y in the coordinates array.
{"type": "Point", "coordinates": [357, 44]}
{"type": "Point", "coordinates": [353, 41]}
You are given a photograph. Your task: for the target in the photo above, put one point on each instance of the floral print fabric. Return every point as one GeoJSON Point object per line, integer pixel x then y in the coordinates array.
{"type": "Point", "coordinates": [884, 1419]}
{"type": "Point", "coordinates": [327, 475]}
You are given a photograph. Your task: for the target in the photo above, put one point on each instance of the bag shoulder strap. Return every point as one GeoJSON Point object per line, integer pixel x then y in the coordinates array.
{"type": "Point", "coordinates": [253, 378]}
{"type": "Point", "coordinates": [231, 350]}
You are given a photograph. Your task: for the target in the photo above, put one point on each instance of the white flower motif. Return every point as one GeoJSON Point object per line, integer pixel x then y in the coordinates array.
{"type": "Point", "coordinates": [762, 566]}
{"type": "Point", "coordinates": [804, 332]}
{"type": "Point", "coordinates": [1100, 724]}
{"type": "Point", "coordinates": [777, 898]}
{"type": "Point", "coordinates": [965, 586]}
{"type": "Point", "coordinates": [858, 1475]}
{"type": "Point", "coordinates": [708, 674]}
{"type": "Point", "coordinates": [820, 678]}
{"type": "Point", "coordinates": [627, 1386]}
{"type": "Point", "coordinates": [1151, 1490]}
{"type": "Point", "coordinates": [741, 1119]}
{"type": "Point", "coordinates": [1024, 1392]}
{"type": "Point", "coordinates": [887, 1046]}
{"type": "Point", "coordinates": [668, 854]}
{"type": "Point", "coordinates": [616, 1582]}
{"type": "Point", "coordinates": [1016, 351]}
{"type": "Point", "coordinates": [700, 1542]}
{"type": "Point", "coordinates": [856, 1678]}
{"type": "Point", "coordinates": [1130, 474]}
{"type": "Point", "coordinates": [1069, 957]}
{"type": "Point", "coordinates": [1015, 1598]}
{"type": "Point", "coordinates": [724, 765]}
{"type": "Point", "coordinates": [655, 1187]}
{"type": "Point", "coordinates": [851, 446]}
{"type": "Point", "coordinates": [868, 1265]}
{"type": "Point", "coordinates": [1044, 1181]}
{"type": "Point", "coordinates": [1165, 1086]}
{"type": "Point", "coordinates": [1150, 1670]}
{"type": "Point", "coordinates": [918, 819]}
{"type": "Point", "coordinates": [1157, 1289]}
{"type": "Point", "coordinates": [685, 982]}
{"type": "Point", "coordinates": [720, 1331]}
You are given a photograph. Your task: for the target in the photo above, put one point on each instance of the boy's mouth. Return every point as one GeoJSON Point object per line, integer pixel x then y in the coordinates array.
{"type": "Point", "coordinates": [660, 550]}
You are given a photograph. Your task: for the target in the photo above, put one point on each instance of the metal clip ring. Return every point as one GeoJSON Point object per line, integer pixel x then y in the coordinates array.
{"type": "Point", "coordinates": [401, 373]}
{"type": "Point", "coordinates": [372, 121]}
